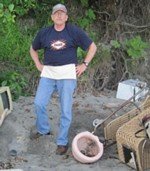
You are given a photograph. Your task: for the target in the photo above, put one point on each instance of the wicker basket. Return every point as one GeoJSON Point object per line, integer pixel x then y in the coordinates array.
{"type": "Point", "coordinates": [112, 126]}
{"type": "Point", "coordinates": [128, 143]}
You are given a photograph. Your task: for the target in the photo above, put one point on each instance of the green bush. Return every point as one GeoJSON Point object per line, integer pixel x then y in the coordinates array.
{"type": "Point", "coordinates": [136, 47]}
{"type": "Point", "coordinates": [14, 45]}
{"type": "Point", "coordinates": [15, 81]}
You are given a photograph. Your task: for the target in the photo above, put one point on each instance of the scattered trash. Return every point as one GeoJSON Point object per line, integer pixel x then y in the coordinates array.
{"type": "Point", "coordinates": [13, 153]}
{"type": "Point", "coordinates": [6, 165]}
{"type": "Point", "coordinates": [129, 88]}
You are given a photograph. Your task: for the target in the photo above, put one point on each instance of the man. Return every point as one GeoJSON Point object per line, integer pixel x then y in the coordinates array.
{"type": "Point", "coordinates": [59, 71]}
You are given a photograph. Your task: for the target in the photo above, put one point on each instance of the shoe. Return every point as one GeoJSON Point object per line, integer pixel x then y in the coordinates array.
{"type": "Point", "coordinates": [37, 135]}
{"type": "Point", "coordinates": [61, 149]}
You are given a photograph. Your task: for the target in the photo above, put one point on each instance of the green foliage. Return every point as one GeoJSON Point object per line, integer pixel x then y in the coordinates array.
{"type": "Point", "coordinates": [84, 3]}
{"type": "Point", "coordinates": [105, 51]}
{"type": "Point", "coordinates": [7, 13]}
{"type": "Point", "coordinates": [22, 7]}
{"type": "Point", "coordinates": [88, 19]}
{"type": "Point", "coordinates": [9, 10]}
{"type": "Point", "coordinates": [80, 54]}
{"type": "Point", "coordinates": [90, 14]}
{"type": "Point", "coordinates": [135, 47]}
{"type": "Point", "coordinates": [115, 44]}
{"type": "Point", "coordinates": [14, 45]}
{"type": "Point", "coordinates": [15, 81]}
{"type": "Point", "coordinates": [134, 51]}
{"type": "Point", "coordinates": [62, 1]}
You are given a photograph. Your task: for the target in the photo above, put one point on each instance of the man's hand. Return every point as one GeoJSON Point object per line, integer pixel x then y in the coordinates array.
{"type": "Point", "coordinates": [39, 66]}
{"type": "Point", "coordinates": [35, 57]}
{"type": "Point", "coordinates": [80, 69]}
{"type": "Point", "coordinates": [89, 56]}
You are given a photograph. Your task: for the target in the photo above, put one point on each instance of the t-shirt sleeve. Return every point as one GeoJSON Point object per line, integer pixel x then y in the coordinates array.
{"type": "Point", "coordinates": [37, 44]}
{"type": "Point", "coordinates": [83, 39]}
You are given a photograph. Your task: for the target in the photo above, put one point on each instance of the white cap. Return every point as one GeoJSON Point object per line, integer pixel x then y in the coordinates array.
{"type": "Point", "coordinates": [59, 7]}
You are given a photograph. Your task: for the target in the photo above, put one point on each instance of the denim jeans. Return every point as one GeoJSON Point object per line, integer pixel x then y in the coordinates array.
{"type": "Point", "coordinates": [65, 89]}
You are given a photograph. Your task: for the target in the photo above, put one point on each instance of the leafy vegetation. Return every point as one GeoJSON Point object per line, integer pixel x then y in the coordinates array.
{"type": "Point", "coordinates": [136, 47]}
{"type": "Point", "coordinates": [15, 81]}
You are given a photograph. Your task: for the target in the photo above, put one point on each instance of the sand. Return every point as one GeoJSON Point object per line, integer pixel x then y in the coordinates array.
{"type": "Point", "coordinates": [17, 151]}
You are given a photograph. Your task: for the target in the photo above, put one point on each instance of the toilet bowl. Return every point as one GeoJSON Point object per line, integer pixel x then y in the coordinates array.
{"type": "Point", "coordinates": [86, 147]}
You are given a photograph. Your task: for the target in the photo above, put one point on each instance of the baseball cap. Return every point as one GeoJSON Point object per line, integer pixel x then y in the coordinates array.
{"type": "Point", "coordinates": [59, 7]}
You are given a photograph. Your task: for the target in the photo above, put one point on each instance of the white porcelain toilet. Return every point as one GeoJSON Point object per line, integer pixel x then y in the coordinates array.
{"type": "Point", "coordinates": [86, 147]}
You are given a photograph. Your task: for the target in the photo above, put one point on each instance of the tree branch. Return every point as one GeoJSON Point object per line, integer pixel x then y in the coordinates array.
{"type": "Point", "coordinates": [134, 26]}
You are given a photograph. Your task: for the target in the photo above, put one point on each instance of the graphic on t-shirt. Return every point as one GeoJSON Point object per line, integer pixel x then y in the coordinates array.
{"type": "Point", "coordinates": [58, 44]}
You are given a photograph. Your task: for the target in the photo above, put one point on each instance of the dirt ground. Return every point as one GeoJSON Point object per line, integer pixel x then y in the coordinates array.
{"type": "Point", "coordinates": [17, 151]}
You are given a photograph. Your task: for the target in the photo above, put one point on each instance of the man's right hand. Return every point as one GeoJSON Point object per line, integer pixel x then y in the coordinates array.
{"type": "Point", "coordinates": [39, 66]}
{"type": "Point", "coordinates": [35, 57]}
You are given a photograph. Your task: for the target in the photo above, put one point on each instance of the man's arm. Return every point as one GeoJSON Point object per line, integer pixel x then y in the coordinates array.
{"type": "Point", "coordinates": [35, 57]}
{"type": "Point", "coordinates": [89, 56]}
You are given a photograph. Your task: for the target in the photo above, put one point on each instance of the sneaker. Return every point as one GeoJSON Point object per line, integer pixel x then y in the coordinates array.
{"type": "Point", "coordinates": [37, 135]}
{"type": "Point", "coordinates": [61, 149]}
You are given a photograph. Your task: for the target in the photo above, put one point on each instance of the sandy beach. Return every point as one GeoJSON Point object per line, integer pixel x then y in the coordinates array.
{"type": "Point", "coordinates": [17, 151]}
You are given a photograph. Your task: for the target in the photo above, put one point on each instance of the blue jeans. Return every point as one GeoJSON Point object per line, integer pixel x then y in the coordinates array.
{"type": "Point", "coordinates": [65, 89]}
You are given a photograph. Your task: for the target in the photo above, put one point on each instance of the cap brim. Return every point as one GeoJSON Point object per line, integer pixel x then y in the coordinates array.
{"type": "Point", "coordinates": [59, 10]}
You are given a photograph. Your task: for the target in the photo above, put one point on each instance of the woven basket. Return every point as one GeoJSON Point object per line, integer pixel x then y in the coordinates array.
{"type": "Point", "coordinates": [111, 127]}
{"type": "Point", "coordinates": [127, 141]}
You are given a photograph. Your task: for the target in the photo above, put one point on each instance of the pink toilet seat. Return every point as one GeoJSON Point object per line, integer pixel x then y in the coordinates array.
{"type": "Point", "coordinates": [86, 147]}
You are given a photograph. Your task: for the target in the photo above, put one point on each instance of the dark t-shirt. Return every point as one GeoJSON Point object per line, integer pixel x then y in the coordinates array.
{"type": "Point", "coordinates": [60, 47]}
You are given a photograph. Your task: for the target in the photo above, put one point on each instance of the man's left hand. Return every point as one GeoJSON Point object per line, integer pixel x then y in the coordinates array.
{"type": "Point", "coordinates": [80, 69]}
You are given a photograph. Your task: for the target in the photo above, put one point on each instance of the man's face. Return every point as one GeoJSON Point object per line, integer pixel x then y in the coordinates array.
{"type": "Point", "coordinates": [59, 17]}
